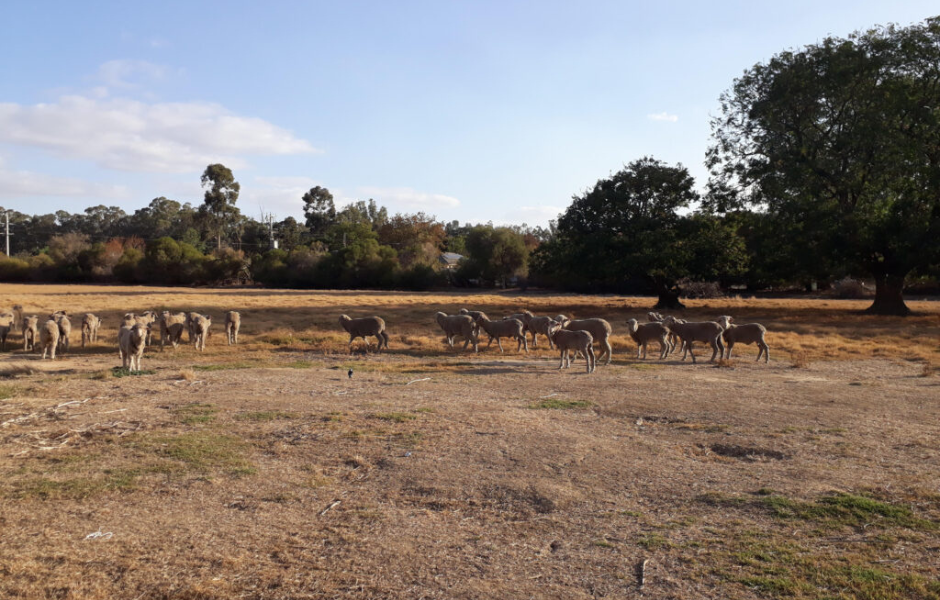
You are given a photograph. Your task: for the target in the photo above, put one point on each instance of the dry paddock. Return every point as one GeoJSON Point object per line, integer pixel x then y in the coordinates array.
{"type": "Point", "coordinates": [264, 471]}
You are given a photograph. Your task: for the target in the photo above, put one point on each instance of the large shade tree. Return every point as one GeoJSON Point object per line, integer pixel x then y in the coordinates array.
{"type": "Point", "coordinates": [840, 140]}
{"type": "Point", "coordinates": [630, 227]}
{"type": "Point", "coordinates": [218, 210]}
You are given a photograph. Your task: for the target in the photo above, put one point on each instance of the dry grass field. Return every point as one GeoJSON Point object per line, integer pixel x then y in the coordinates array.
{"type": "Point", "coordinates": [263, 471]}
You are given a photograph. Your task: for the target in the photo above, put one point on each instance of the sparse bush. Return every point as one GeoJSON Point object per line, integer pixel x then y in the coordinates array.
{"type": "Point", "coordinates": [848, 288]}
{"type": "Point", "coordinates": [700, 289]}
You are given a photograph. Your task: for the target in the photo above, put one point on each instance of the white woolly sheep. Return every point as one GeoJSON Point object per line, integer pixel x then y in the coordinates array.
{"type": "Point", "coordinates": [365, 326]}
{"type": "Point", "coordinates": [540, 325]}
{"type": "Point", "coordinates": [233, 322]}
{"type": "Point", "coordinates": [131, 342]}
{"type": "Point", "coordinates": [30, 329]}
{"type": "Point", "coordinates": [645, 333]}
{"type": "Point", "coordinates": [523, 316]}
{"type": "Point", "coordinates": [573, 341]}
{"type": "Point", "coordinates": [65, 328]}
{"type": "Point", "coordinates": [49, 338]}
{"type": "Point", "coordinates": [171, 328]}
{"type": "Point", "coordinates": [703, 331]}
{"type": "Point", "coordinates": [673, 339]}
{"type": "Point", "coordinates": [510, 328]}
{"type": "Point", "coordinates": [462, 325]}
{"type": "Point", "coordinates": [475, 314]}
{"type": "Point", "coordinates": [90, 325]}
{"type": "Point", "coordinates": [750, 333]}
{"type": "Point", "coordinates": [201, 325]}
{"type": "Point", "coordinates": [599, 329]}
{"type": "Point", "coordinates": [7, 321]}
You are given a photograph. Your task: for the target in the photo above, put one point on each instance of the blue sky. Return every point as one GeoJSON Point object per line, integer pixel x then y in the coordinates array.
{"type": "Point", "coordinates": [473, 111]}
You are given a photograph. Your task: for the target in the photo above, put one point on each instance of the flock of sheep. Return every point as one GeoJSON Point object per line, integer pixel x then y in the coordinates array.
{"type": "Point", "coordinates": [571, 337]}
{"type": "Point", "coordinates": [133, 336]}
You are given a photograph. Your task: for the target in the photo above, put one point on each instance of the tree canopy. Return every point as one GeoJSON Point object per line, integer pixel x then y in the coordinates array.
{"type": "Point", "coordinates": [840, 141]}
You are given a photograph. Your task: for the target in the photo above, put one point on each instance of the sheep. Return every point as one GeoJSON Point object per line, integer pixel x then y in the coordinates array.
{"type": "Point", "coordinates": [539, 325]}
{"type": "Point", "coordinates": [579, 341]}
{"type": "Point", "coordinates": [645, 333]}
{"type": "Point", "coordinates": [233, 322]}
{"type": "Point", "coordinates": [751, 333]}
{"type": "Point", "coordinates": [191, 326]}
{"type": "Point", "coordinates": [462, 325]}
{"type": "Point", "coordinates": [673, 339]}
{"type": "Point", "coordinates": [475, 314]}
{"type": "Point", "coordinates": [30, 328]}
{"type": "Point", "coordinates": [65, 328]}
{"type": "Point", "coordinates": [704, 331]}
{"type": "Point", "coordinates": [131, 342]}
{"type": "Point", "coordinates": [171, 328]}
{"type": "Point", "coordinates": [523, 316]}
{"type": "Point", "coordinates": [90, 325]}
{"type": "Point", "coordinates": [49, 338]}
{"type": "Point", "coordinates": [7, 322]}
{"type": "Point", "coordinates": [365, 326]}
{"type": "Point", "coordinates": [201, 330]}
{"type": "Point", "coordinates": [599, 329]}
{"type": "Point", "coordinates": [511, 328]}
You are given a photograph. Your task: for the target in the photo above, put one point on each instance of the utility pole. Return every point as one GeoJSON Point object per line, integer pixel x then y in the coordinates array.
{"type": "Point", "coordinates": [6, 232]}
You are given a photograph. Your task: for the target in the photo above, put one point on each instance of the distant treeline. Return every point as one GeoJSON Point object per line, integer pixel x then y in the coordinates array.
{"type": "Point", "coordinates": [825, 162]}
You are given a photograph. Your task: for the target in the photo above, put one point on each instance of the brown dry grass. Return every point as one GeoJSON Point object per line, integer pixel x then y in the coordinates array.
{"type": "Point", "coordinates": [263, 471]}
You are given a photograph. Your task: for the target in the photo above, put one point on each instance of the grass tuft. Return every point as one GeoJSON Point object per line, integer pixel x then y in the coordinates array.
{"type": "Point", "coordinates": [553, 404]}
{"type": "Point", "coordinates": [119, 372]}
{"type": "Point", "coordinates": [268, 415]}
{"type": "Point", "coordinates": [397, 417]}
{"type": "Point", "coordinates": [196, 413]}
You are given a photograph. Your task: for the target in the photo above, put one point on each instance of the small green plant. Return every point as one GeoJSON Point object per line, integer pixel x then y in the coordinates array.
{"type": "Point", "coordinates": [269, 415]}
{"type": "Point", "coordinates": [7, 392]}
{"type": "Point", "coordinates": [226, 366]}
{"type": "Point", "coordinates": [397, 417]}
{"type": "Point", "coordinates": [196, 413]}
{"type": "Point", "coordinates": [553, 404]}
{"type": "Point", "coordinates": [122, 372]}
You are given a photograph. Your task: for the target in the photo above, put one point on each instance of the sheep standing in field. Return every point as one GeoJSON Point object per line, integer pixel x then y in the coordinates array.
{"type": "Point", "coordinates": [90, 325]}
{"type": "Point", "coordinates": [49, 338]}
{"type": "Point", "coordinates": [599, 329]}
{"type": "Point", "coordinates": [523, 316]}
{"type": "Point", "coordinates": [573, 341]}
{"type": "Point", "coordinates": [704, 331]}
{"type": "Point", "coordinates": [363, 327]}
{"type": "Point", "coordinates": [201, 330]}
{"type": "Point", "coordinates": [645, 333]}
{"type": "Point", "coordinates": [462, 325]}
{"type": "Point", "coordinates": [171, 328]}
{"type": "Point", "coordinates": [7, 322]}
{"type": "Point", "coordinates": [30, 330]}
{"type": "Point", "coordinates": [233, 322]}
{"type": "Point", "coordinates": [511, 328]}
{"type": "Point", "coordinates": [132, 339]}
{"type": "Point", "coordinates": [191, 326]}
{"type": "Point", "coordinates": [673, 339]}
{"type": "Point", "coordinates": [475, 314]}
{"type": "Point", "coordinates": [540, 325]}
{"type": "Point", "coordinates": [65, 328]}
{"type": "Point", "coordinates": [751, 333]}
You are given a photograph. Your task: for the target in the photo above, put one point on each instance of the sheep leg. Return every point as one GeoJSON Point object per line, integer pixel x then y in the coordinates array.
{"type": "Point", "coordinates": [561, 363]}
{"type": "Point", "coordinates": [608, 350]}
{"type": "Point", "coordinates": [765, 350]}
{"type": "Point", "coordinates": [728, 349]}
{"type": "Point", "coordinates": [500, 344]}
{"type": "Point", "coordinates": [590, 358]}
{"type": "Point", "coordinates": [525, 344]}
{"type": "Point", "coordinates": [688, 348]}
{"type": "Point", "coordinates": [717, 349]}
{"type": "Point", "coordinates": [385, 339]}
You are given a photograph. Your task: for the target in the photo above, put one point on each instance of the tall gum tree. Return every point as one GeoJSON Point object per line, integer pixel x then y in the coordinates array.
{"type": "Point", "coordinates": [219, 208]}
{"type": "Point", "coordinates": [841, 140]}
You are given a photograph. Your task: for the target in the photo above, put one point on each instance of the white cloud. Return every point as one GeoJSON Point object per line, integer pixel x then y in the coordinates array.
{"type": "Point", "coordinates": [126, 74]}
{"type": "Point", "coordinates": [534, 215]}
{"type": "Point", "coordinates": [26, 184]}
{"type": "Point", "coordinates": [278, 195]}
{"type": "Point", "coordinates": [408, 198]}
{"type": "Point", "coordinates": [130, 135]}
{"type": "Point", "coordinates": [663, 116]}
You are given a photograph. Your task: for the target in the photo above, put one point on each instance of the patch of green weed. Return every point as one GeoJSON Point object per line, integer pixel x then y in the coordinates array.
{"type": "Point", "coordinates": [553, 404]}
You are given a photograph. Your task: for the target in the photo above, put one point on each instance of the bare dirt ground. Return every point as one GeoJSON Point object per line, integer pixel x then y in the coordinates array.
{"type": "Point", "coordinates": [264, 471]}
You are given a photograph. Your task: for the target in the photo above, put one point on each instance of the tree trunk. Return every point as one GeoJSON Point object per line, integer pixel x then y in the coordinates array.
{"type": "Point", "coordinates": [669, 297]}
{"type": "Point", "coordinates": [889, 298]}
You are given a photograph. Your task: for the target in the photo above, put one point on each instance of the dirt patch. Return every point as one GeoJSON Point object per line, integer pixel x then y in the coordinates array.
{"type": "Point", "coordinates": [746, 453]}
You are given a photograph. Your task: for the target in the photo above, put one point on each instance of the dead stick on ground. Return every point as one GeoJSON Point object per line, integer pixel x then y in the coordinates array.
{"type": "Point", "coordinates": [327, 509]}
{"type": "Point", "coordinates": [417, 380]}
{"type": "Point", "coordinates": [641, 572]}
